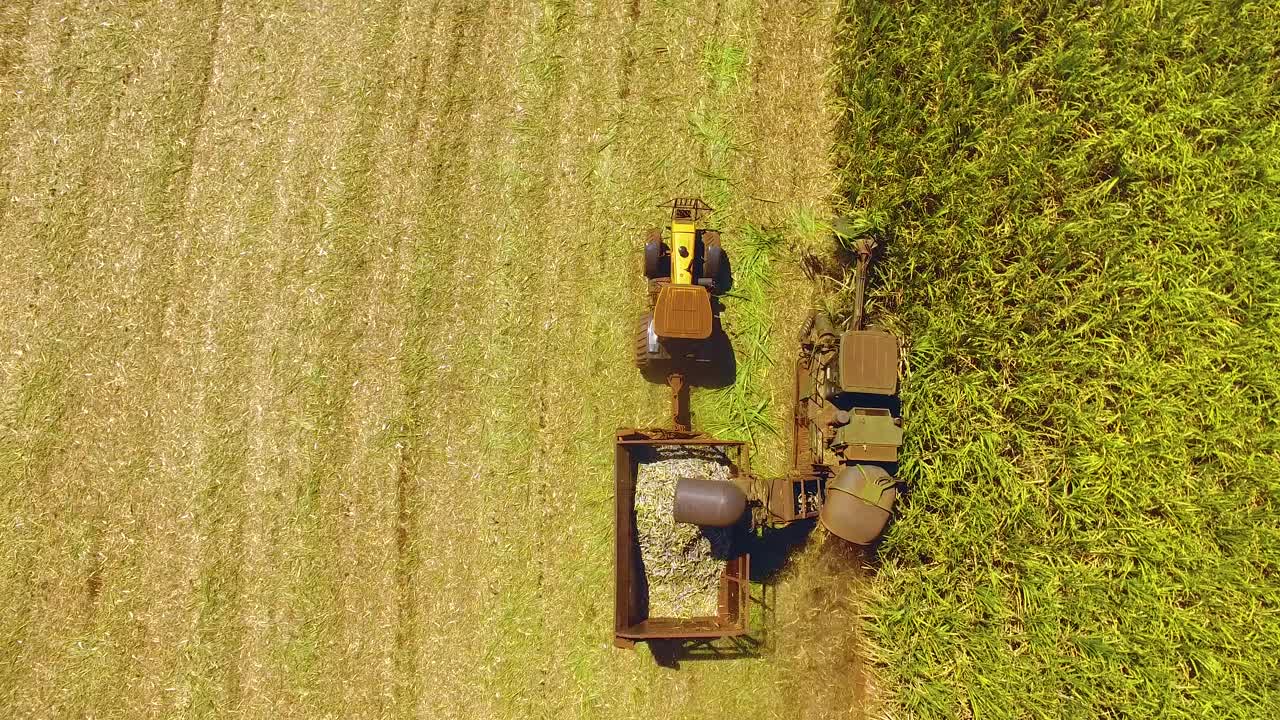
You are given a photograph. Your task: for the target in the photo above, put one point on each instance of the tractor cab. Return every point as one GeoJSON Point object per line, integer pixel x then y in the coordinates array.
{"type": "Point", "coordinates": [682, 312]}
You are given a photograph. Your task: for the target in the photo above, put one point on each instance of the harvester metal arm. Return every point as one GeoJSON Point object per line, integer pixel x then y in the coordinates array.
{"type": "Point", "coordinates": [864, 247]}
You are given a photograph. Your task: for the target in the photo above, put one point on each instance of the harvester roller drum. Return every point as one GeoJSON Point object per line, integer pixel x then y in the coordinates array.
{"type": "Point", "coordinates": [859, 500]}
{"type": "Point", "coordinates": [807, 326]}
{"type": "Point", "coordinates": [822, 326]}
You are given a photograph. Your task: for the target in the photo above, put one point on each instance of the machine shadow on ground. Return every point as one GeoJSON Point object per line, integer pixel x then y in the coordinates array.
{"type": "Point", "coordinates": [670, 653]}
{"type": "Point", "coordinates": [720, 372]}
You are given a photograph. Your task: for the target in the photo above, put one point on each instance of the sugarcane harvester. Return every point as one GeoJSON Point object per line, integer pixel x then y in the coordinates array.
{"type": "Point", "coordinates": [847, 432]}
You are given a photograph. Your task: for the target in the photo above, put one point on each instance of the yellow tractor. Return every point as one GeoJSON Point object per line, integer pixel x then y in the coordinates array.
{"type": "Point", "coordinates": [680, 336]}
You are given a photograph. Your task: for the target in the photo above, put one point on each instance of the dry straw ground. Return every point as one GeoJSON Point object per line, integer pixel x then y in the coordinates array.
{"type": "Point", "coordinates": [313, 330]}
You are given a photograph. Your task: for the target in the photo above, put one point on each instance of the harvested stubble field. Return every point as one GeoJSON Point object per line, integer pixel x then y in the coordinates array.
{"type": "Point", "coordinates": [315, 331]}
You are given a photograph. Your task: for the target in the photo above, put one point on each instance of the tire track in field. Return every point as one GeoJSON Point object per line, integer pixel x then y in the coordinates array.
{"type": "Point", "coordinates": [455, 232]}
{"type": "Point", "coordinates": [352, 473]}
{"type": "Point", "coordinates": [540, 92]}
{"type": "Point", "coordinates": [15, 28]}
{"type": "Point", "coordinates": [217, 425]}
{"type": "Point", "coordinates": [222, 431]}
{"type": "Point", "coordinates": [15, 22]}
{"type": "Point", "coordinates": [48, 166]}
{"type": "Point", "coordinates": [331, 341]}
{"type": "Point", "coordinates": [626, 66]}
{"type": "Point", "coordinates": [214, 559]}
{"type": "Point", "coordinates": [425, 65]}
{"type": "Point", "coordinates": [432, 112]}
{"type": "Point", "coordinates": [480, 452]}
{"type": "Point", "coordinates": [15, 25]}
{"type": "Point", "coordinates": [788, 122]}
{"type": "Point", "coordinates": [204, 80]}
{"type": "Point", "coordinates": [258, 172]}
{"type": "Point", "coordinates": [439, 56]}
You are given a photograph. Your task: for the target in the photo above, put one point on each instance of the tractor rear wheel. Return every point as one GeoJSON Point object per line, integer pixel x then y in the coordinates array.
{"type": "Point", "coordinates": [641, 348]}
{"type": "Point", "coordinates": [714, 263]}
{"type": "Point", "coordinates": [653, 254]}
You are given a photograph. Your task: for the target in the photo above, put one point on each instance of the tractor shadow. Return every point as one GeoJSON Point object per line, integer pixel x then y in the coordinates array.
{"type": "Point", "coordinates": [718, 370]}
{"type": "Point", "coordinates": [724, 283]}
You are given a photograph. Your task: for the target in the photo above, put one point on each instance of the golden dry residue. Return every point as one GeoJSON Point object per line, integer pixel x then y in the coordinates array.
{"type": "Point", "coordinates": [315, 329]}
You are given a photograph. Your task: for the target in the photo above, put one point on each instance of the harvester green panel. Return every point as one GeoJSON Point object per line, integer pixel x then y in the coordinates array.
{"type": "Point", "coordinates": [870, 430]}
{"type": "Point", "coordinates": [869, 362]}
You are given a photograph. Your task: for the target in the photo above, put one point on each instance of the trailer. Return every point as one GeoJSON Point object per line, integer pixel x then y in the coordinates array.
{"type": "Point", "coordinates": [632, 622]}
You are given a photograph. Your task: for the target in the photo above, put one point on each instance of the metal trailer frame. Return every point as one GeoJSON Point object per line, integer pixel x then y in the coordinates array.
{"type": "Point", "coordinates": [631, 621]}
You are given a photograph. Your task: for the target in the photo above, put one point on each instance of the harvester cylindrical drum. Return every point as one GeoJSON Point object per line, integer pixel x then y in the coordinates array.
{"type": "Point", "coordinates": [822, 325]}
{"type": "Point", "coordinates": [712, 503]}
{"type": "Point", "coordinates": [858, 503]}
